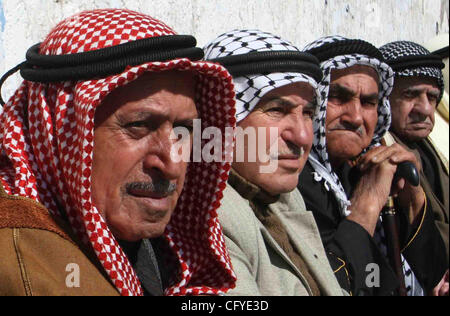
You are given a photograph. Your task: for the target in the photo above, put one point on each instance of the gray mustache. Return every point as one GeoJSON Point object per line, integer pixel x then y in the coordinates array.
{"type": "Point", "coordinates": [294, 151]}
{"type": "Point", "coordinates": [358, 130]}
{"type": "Point", "coordinates": [290, 150]}
{"type": "Point", "coordinates": [160, 187]}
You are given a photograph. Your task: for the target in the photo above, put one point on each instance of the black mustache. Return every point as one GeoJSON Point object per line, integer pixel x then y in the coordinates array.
{"type": "Point", "coordinates": [416, 119]}
{"type": "Point", "coordinates": [164, 187]}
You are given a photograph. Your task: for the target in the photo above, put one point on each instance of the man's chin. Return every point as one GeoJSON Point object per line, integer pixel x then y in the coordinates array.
{"type": "Point", "coordinates": [347, 155]}
{"type": "Point", "coordinates": [282, 186]}
{"type": "Point", "coordinates": [145, 230]}
{"type": "Point", "coordinates": [343, 151]}
{"type": "Point", "coordinates": [153, 233]}
{"type": "Point", "coordinates": [416, 136]}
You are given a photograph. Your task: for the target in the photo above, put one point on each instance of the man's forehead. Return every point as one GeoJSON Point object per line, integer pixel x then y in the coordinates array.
{"type": "Point", "coordinates": [355, 80]}
{"type": "Point", "coordinates": [151, 93]}
{"type": "Point", "coordinates": [416, 82]}
{"type": "Point", "coordinates": [356, 70]}
{"type": "Point", "coordinates": [298, 89]}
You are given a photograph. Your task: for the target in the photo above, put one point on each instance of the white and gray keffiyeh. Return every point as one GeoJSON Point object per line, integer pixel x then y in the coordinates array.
{"type": "Point", "coordinates": [250, 89]}
{"type": "Point", "coordinates": [319, 155]}
{"type": "Point", "coordinates": [396, 51]}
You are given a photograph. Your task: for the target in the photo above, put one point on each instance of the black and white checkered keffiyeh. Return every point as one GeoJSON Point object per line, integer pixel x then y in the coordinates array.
{"type": "Point", "coordinates": [251, 88]}
{"type": "Point", "coordinates": [319, 155]}
{"type": "Point", "coordinates": [396, 51]}
{"type": "Point", "coordinates": [409, 59]}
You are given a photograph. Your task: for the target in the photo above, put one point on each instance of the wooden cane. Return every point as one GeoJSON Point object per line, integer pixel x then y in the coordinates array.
{"type": "Point", "coordinates": [407, 171]}
{"type": "Point", "coordinates": [393, 243]}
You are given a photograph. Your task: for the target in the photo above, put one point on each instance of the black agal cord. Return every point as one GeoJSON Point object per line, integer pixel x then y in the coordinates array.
{"type": "Point", "coordinates": [271, 61]}
{"type": "Point", "coordinates": [416, 61]}
{"type": "Point", "coordinates": [103, 62]}
{"type": "Point", "coordinates": [443, 52]}
{"type": "Point", "coordinates": [345, 47]}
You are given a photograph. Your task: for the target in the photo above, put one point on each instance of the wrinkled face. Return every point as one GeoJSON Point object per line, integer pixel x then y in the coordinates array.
{"type": "Point", "coordinates": [135, 184]}
{"type": "Point", "coordinates": [413, 103]}
{"type": "Point", "coordinates": [352, 112]}
{"type": "Point", "coordinates": [289, 110]}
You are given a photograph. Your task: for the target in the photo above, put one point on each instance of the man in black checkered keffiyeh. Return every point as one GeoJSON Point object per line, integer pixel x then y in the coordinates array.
{"type": "Point", "coordinates": [261, 64]}
{"type": "Point", "coordinates": [263, 214]}
{"type": "Point", "coordinates": [418, 90]}
{"type": "Point", "coordinates": [349, 174]}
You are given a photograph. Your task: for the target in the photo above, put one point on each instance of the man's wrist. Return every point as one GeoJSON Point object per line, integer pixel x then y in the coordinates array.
{"type": "Point", "coordinates": [367, 208]}
{"type": "Point", "coordinates": [367, 220]}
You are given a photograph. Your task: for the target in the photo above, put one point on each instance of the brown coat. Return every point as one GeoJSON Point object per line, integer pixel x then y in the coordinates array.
{"type": "Point", "coordinates": [35, 251]}
{"type": "Point", "coordinates": [440, 208]}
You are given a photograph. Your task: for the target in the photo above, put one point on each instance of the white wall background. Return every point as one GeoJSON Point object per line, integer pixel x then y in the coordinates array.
{"type": "Point", "coordinates": [27, 22]}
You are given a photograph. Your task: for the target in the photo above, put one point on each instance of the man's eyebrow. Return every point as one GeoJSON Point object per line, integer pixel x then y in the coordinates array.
{"type": "Point", "coordinates": [312, 105]}
{"type": "Point", "coordinates": [185, 122]}
{"type": "Point", "coordinates": [142, 114]}
{"type": "Point", "coordinates": [413, 89]}
{"type": "Point", "coordinates": [420, 90]}
{"type": "Point", "coordinates": [341, 90]}
{"type": "Point", "coordinates": [155, 116]}
{"type": "Point", "coordinates": [289, 104]}
{"type": "Point", "coordinates": [435, 93]}
{"type": "Point", "coordinates": [373, 96]}
{"type": "Point", "coordinates": [126, 117]}
{"type": "Point", "coordinates": [281, 101]}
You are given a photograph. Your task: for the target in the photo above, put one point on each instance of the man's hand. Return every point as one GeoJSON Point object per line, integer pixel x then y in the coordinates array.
{"type": "Point", "coordinates": [442, 288]}
{"type": "Point", "coordinates": [378, 168]}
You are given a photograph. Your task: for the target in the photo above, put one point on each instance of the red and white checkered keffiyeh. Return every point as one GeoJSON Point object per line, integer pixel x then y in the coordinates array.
{"type": "Point", "coordinates": [47, 133]}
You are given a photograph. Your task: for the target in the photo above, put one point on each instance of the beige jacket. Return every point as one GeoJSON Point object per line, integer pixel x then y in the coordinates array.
{"type": "Point", "coordinates": [261, 266]}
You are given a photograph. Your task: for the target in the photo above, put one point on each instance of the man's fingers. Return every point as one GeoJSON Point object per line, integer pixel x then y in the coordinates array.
{"type": "Point", "coordinates": [399, 186]}
{"type": "Point", "coordinates": [399, 157]}
{"type": "Point", "coordinates": [444, 290]}
{"type": "Point", "coordinates": [395, 154]}
{"type": "Point", "coordinates": [374, 156]}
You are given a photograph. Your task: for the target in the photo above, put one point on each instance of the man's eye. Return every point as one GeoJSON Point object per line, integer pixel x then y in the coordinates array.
{"type": "Point", "coordinates": [274, 112]}
{"type": "Point", "coordinates": [370, 103]}
{"type": "Point", "coordinates": [275, 109]}
{"type": "Point", "coordinates": [189, 127]}
{"type": "Point", "coordinates": [336, 99]}
{"type": "Point", "coordinates": [309, 113]}
{"type": "Point", "coordinates": [433, 98]}
{"type": "Point", "coordinates": [136, 124]}
{"type": "Point", "coordinates": [409, 94]}
{"type": "Point", "coordinates": [137, 129]}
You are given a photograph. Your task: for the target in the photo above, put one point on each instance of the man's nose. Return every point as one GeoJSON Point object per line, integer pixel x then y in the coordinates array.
{"type": "Point", "coordinates": [423, 106]}
{"type": "Point", "coordinates": [353, 113]}
{"type": "Point", "coordinates": [158, 154]}
{"type": "Point", "coordinates": [298, 132]}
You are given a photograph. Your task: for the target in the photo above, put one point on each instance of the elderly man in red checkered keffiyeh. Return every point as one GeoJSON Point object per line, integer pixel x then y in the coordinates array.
{"type": "Point", "coordinates": [93, 153]}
